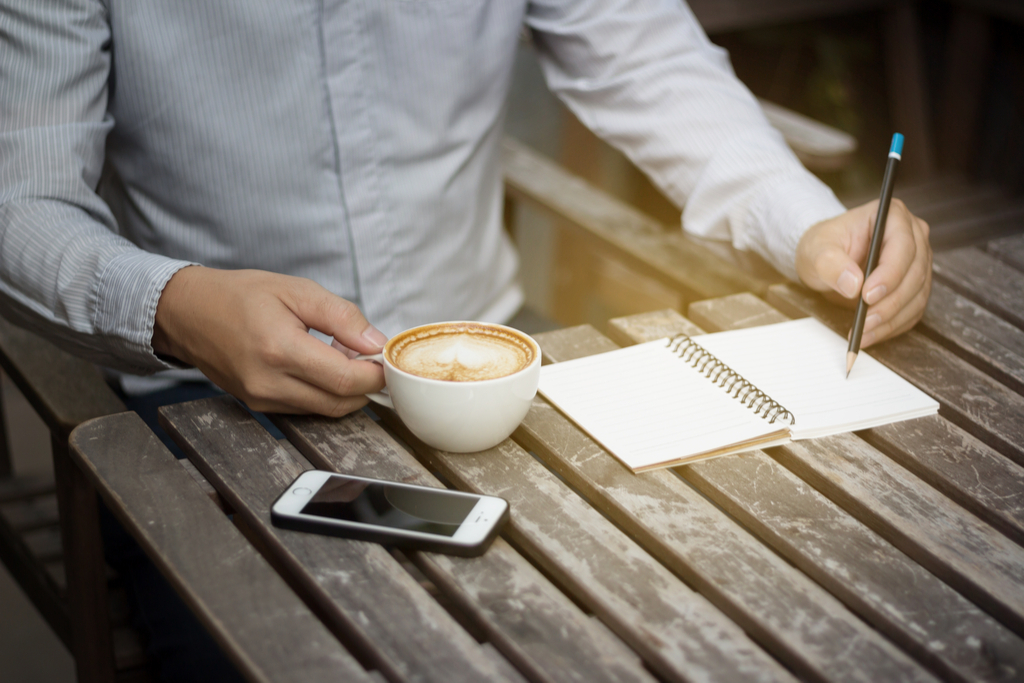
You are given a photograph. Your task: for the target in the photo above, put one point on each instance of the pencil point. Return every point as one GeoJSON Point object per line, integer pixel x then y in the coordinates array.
{"type": "Point", "coordinates": [850, 357]}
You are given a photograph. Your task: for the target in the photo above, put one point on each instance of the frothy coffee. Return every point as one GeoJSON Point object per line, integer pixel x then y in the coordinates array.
{"type": "Point", "coordinates": [460, 352]}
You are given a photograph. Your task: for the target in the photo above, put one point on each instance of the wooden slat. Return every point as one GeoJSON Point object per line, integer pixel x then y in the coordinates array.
{"type": "Point", "coordinates": [676, 631]}
{"type": "Point", "coordinates": [82, 551]}
{"type": "Point", "coordinates": [636, 239]}
{"type": "Point", "coordinates": [357, 588]}
{"type": "Point", "coordinates": [569, 340]}
{"type": "Point", "coordinates": [540, 630]}
{"type": "Point", "coordinates": [64, 390]}
{"type": "Point", "coordinates": [1009, 250]}
{"type": "Point", "coordinates": [986, 223]}
{"type": "Point", "coordinates": [944, 455]}
{"type": "Point", "coordinates": [818, 146]}
{"type": "Point", "coordinates": [967, 396]}
{"type": "Point", "coordinates": [980, 277]}
{"type": "Point", "coordinates": [957, 546]}
{"type": "Point", "coordinates": [981, 338]}
{"type": "Point", "coordinates": [736, 572]}
{"type": "Point", "coordinates": [895, 594]}
{"type": "Point", "coordinates": [261, 624]}
{"type": "Point", "coordinates": [653, 325]}
{"type": "Point", "coordinates": [920, 521]}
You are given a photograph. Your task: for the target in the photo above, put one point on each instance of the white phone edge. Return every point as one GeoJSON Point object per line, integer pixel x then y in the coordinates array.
{"type": "Point", "coordinates": [475, 529]}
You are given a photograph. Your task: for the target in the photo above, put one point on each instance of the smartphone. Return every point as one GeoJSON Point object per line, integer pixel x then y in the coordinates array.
{"type": "Point", "coordinates": [402, 515]}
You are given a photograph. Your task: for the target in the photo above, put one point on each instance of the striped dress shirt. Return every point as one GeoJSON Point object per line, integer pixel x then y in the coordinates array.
{"type": "Point", "coordinates": [353, 142]}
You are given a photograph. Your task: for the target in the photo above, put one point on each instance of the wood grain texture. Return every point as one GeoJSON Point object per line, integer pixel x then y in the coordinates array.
{"type": "Point", "coordinates": [676, 631]}
{"type": "Point", "coordinates": [788, 614]}
{"type": "Point", "coordinates": [568, 343]}
{"type": "Point", "coordinates": [357, 588]}
{"type": "Point", "coordinates": [981, 338]}
{"type": "Point", "coordinates": [952, 636]}
{"type": "Point", "coordinates": [922, 522]}
{"type": "Point", "coordinates": [653, 325]}
{"type": "Point", "coordinates": [970, 472]}
{"type": "Point", "coordinates": [1009, 250]}
{"type": "Point", "coordinates": [732, 312]}
{"type": "Point", "coordinates": [967, 396]}
{"type": "Point", "coordinates": [261, 624]}
{"type": "Point", "coordinates": [535, 626]}
{"type": "Point", "coordinates": [968, 554]}
{"type": "Point", "coordinates": [993, 284]}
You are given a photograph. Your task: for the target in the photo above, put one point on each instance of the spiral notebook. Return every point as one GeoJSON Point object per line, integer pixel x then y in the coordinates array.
{"type": "Point", "coordinates": [680, 400]}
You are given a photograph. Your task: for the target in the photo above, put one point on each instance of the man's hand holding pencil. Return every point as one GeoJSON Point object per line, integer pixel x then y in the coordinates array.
{"type": "Point", "coordinates": [832, 255]}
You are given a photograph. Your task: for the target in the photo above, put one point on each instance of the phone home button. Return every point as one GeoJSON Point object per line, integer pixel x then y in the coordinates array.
{"type": "Point", "coordinates": [301, 491]}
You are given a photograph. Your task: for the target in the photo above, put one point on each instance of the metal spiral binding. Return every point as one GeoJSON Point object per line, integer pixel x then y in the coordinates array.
{"type": "Point", "coordinates": [734, 384]}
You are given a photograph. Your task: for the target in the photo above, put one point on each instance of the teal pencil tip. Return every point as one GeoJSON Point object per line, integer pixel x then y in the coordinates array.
{"type": "Point", "coordinates": [897, 144]}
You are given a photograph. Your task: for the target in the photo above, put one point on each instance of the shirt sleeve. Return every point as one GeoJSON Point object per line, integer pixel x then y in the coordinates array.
{"type": "Point", "coordinates": [65, 273]}
{"type": "Point", "coordinates": [643, 75]}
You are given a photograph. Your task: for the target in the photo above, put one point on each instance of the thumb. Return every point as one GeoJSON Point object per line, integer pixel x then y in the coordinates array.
{"type": "Point", "coordinates": [340, 318]}
{"type": "Point", "coordinates": [833, 269]}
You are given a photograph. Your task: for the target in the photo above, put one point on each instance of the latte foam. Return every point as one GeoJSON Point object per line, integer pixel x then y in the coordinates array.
{"type": "Point", "coordinates": [460, 353]}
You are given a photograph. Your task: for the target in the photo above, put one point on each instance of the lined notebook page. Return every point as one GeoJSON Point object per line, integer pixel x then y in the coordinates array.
{"type": "Point", "coordinates": [650, 408]}
{"type": "Point", "coordinates": [647, 406]}
{"type": "Point", "coordinates": [802, 365]}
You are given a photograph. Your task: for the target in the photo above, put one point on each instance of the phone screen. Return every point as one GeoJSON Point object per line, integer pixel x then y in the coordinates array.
{"type": "Point", "coordinates": [428, 511]}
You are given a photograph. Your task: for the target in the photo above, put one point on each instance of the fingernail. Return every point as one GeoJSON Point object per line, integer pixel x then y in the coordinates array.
{"type": "Point", "coordinates": [875, 294]}
{"type": "Point", "coordinates": [375, 336]}
{"type": "Point", "coordinates": [847, 284]}
{"type": "Point", "coordinates": [871, 322]}
{"type": "Point", "coordinates": [349, 353]}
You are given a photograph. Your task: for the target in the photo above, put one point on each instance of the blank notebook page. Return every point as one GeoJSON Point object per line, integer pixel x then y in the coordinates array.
{"type": "Point", "coordinates": [802, 365]}
{"type": "Point", "coordinates": [646, 406]}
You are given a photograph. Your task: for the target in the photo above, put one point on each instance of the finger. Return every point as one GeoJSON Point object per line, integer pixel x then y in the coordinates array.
{"type": "Point", "coordinates": [902, 322]}
{"type": "Point", "coordinates": [293, 396]}
{"type": "Point", "coordinates": [323, 367]}
{"type": "Point", "coordinates": [349, 353]}
{"type": "Point", "coordinates": [319, 309]}
{"type": "Point", "coordinates": [901, 310]}
{"type": "Point", "coordinates": [829, 254]}
{"type": "Point", "coordinates": [837, 271]}
{"type": "Point", "coordinates": [900, 246]}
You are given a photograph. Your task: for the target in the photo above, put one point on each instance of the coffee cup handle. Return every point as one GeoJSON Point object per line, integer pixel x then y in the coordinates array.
{"type": "Point", "coordinates": [381, 397]}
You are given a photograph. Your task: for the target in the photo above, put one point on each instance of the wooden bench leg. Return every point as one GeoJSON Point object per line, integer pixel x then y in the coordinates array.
{"type": "Point", "coordinates": [6, 468]}
{"type": "Point", "coordinates": [85, 568]}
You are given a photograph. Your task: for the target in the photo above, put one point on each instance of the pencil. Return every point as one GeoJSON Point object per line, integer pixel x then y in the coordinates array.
{"type": "Point", "coordinates": [895, 152]}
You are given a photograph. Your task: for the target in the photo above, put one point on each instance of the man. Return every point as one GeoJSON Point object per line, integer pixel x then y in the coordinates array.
{"type": "Point", "coordinates": [197, 185]}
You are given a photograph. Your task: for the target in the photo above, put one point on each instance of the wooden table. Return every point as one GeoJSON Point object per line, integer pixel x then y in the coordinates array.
{"type": "Point", "coordinates": [892, 554]}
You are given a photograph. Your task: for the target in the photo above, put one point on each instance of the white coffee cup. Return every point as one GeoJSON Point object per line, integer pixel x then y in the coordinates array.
{"type": "Point", "coordinates": [460, 416]}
